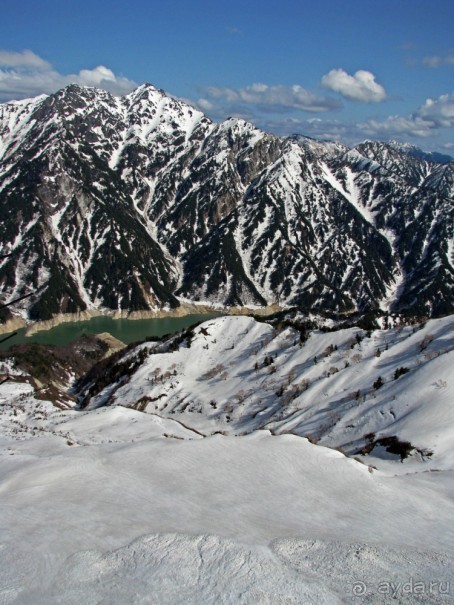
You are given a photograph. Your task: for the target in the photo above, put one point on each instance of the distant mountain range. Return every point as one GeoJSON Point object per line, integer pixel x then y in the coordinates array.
{"type": "Point", "coordinates": [140, 202]}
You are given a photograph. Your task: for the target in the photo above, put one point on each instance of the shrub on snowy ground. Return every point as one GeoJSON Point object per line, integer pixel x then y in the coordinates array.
{"type": "Point", "coordinates": [304, 384]}
{"type": "Point", "coordinates": [378, 383]}
{"type": "Point", "coordinates": [329, 349]}
{"type": "Point", "coordinates": [291, 376]}
{"type": "Point", "coordinates": [400, 372]}
{"type": "Point", "coordinates": [217, 370]}
{"type": "Point", "coordinates": [268, 361]}
{"type": "Point", "coordinates": [393, 445]}
{"type": "Point", "coordinates": [429, 355]}
{"type": "Point", "coordinates": [425, 342]}
{"type": "Point", "coordinates": [292, 392]}
{"type": "Point", "coordinates": [241, 396]}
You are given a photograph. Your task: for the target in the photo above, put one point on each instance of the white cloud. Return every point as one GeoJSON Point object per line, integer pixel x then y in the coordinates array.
{"type": "Point", "coordinates": [432, 116]}
{"type": "Point", "coordinates": [205, 105]}
{"type": "Point", "coordinates": [222, 92]}
{"type": "Point", "coordinates": [26, 75]}
{"type": "Point", "coordinates": [439, 111]}
{"type": "Point", "coordinates": [428, 122]}
{"type": "Point", "coordinates": [359, 87]}
{"type": "Point", "coordinates": [26, 58]}
{"type": "Point", "coordinates": [437, 61]}
{"type": "Point", "coordinates": [394, 125]}
{"type": "Point", "coordinates": [261, 104]}
{"type": "Point", "coordinates": [274, 98]}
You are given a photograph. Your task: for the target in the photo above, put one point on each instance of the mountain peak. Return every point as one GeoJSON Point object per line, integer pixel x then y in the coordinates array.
{"type": "Point", "coordinates": [147, 90]}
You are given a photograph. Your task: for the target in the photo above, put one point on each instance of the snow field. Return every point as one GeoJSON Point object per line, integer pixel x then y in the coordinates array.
{"type": "Point", "coordinates": [112, 505]}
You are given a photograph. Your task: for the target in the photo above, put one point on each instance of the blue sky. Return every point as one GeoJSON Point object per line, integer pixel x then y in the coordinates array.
{"type": "Point", "coordinates": [344, 69]}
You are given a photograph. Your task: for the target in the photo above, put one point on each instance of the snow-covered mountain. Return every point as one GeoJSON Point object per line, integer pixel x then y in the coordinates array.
{"type": "Point", "coordinates": [349, 388]}
{"type": "Point", "coordinates": [140, 202]}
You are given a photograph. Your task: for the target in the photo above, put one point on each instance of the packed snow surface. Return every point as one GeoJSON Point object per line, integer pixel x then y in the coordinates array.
{"type": "Point", "coordinates": [115, 506]}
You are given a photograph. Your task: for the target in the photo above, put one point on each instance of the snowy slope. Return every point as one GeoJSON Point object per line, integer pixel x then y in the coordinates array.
{"type": "Point", "coordinates": [236, 375]}
{"type": "Point", "coordinates": [214, 495]}
{"type": "Point", "coordinates": [256, 519]}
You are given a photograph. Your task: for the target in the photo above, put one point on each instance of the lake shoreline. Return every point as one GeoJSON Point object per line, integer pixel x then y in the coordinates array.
{"type": "Point", "coordinates": [183, 310]}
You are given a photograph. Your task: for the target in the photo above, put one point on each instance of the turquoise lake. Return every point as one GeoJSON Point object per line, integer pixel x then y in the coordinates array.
{"type": "Point", "coordinates": [126, 330]}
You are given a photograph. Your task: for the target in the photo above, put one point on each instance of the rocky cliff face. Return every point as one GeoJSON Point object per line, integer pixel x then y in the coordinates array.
{"type": "Point", "coordinates": [137, 202]}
